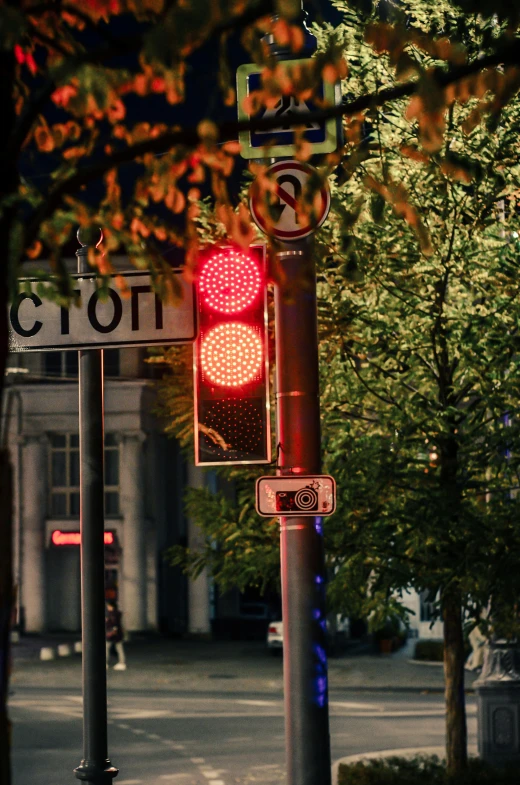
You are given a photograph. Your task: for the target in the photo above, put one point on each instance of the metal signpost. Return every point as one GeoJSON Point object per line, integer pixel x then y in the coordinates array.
{"type": "Point", "coordinates": [38, 325]}
{"type": "Point", "coordinates": [95, 766]}
{"type": "Point", "coordinates": [298, 424]}
{"type": "Point", "coordinates": [301, 536]}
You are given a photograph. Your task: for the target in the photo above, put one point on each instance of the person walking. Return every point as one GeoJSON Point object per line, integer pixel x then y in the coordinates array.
{"type": "Point", "coordinates": [114, 635]}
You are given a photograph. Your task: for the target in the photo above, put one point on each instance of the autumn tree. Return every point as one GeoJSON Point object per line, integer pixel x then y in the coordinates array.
{"type": "Point", "coordinates": [81, 83]}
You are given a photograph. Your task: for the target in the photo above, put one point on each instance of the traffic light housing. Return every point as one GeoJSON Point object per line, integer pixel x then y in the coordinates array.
{"type": "Point", "coordinates": [231, 369]}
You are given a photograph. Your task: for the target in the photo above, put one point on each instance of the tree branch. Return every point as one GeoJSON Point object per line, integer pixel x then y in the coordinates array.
{"type": "Point", "coordinates": [228, 131]}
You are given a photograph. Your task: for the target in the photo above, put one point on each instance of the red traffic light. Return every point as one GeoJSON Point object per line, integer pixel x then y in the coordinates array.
{"type": "Point", "coordinates": [230, 280]}
{"type": "Point", "coordinates": [231, 359]}
{"type": "Point", "coordinates": [231, 354]}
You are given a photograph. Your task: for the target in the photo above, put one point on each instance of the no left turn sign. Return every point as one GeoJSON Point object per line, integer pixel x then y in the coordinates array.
{"type": "Point", "coordinates": [282, 218]}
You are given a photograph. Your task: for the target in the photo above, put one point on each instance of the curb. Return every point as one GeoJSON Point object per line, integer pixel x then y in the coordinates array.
{"type": "Point", "coordinates": [407, 752]}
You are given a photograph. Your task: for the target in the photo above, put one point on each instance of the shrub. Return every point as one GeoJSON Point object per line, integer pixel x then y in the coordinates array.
{"type": "Point", "coordinates": [432, 650]}
{"type": "Point", "coordinates": [422, 771]}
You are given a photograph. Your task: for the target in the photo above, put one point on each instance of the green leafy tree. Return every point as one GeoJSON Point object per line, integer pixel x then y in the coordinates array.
{"type": "Point", "coordinates": [419, 318]}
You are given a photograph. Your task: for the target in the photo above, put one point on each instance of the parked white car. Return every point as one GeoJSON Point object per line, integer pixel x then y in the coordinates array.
{"type": "Point", "coordinates": [275, 633]}
{"type": "Point", "coordinates": [275, 636]}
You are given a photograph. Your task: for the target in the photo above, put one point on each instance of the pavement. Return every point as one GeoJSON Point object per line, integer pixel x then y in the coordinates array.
{"type": "Point", "coordinates": [200, 666]}
{"type": "Point", "coordinates": [156, 663]}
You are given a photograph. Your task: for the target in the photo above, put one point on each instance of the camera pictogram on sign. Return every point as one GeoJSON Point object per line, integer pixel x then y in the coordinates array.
{"type": "Point", "coordinates": [304, 500]}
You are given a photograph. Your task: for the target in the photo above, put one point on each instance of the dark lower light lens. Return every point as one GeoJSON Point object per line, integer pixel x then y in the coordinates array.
{"type": "Point", "coordinates": [233, 430]}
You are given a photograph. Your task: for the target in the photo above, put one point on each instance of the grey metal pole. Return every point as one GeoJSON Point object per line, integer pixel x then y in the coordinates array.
{"type": "Point", "coordinates": [95, 766]}
{"type": "Point", "coordinates": [301, 539]}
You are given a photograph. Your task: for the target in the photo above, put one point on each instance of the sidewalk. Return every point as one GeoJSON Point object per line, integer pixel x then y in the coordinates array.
{"type": "Point", "coordinates": [222, 666]}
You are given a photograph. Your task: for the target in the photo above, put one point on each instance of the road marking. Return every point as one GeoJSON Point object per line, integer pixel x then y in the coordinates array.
{"type": "Point", "coordinates": [138, 731]}
{"type": "Point", "coordinates": [210, 774]}
{"type": "Point", "coordinates": [197, 760]}
{"type": "Point", "coordinates": [216, 782]}
{"type": "Point", "coordinates": [352, 705]}
{"type": "Point", "coordinates": [122, 725]}
{"type": "Point", "coordinates": [141, 714]}
{"type": "Point", "coordinates": [386, 715]}
{"type": "Point", "coordinates": [153, 736]}
{"type": "Point", "coordinates": [130, 782]}
{"type": "Point", "coordinates": [257, 703]}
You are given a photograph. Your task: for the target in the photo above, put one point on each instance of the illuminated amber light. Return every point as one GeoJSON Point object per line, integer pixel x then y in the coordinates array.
{"type": "Point", "coordinates": [231, 354]}
{"type": "Point", "coordinates": [230, 281]}
{"type": "Point", "coordinates": [74, 538]}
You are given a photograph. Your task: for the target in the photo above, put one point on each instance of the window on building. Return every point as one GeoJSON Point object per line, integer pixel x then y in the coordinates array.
{"type": "Point", "coordinates": [63, 365]}
{"type": "Point", "coordinates": [64, 475]}
{"type": "Point", "coordinates": [111, 362]}
{"type": "Point", "coordinates": [427, 606]}
{"type": "Point", "coordinates": [111, 475]}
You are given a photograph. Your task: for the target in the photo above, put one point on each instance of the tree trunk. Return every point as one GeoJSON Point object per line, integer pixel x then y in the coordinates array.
{"type": "Point", "coordinates": [6, 604]}
{"type": "Point", "coordinates": [456, 736]}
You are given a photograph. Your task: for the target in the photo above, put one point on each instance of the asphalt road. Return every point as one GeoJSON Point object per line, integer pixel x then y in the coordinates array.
{"type": "Point", "coordinates": [208, 738]}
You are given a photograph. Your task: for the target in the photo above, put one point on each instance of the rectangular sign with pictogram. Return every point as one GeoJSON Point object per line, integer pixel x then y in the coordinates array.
{"type": "Point", "coordinates": [296, 495]}
{"type": "Point", "coordinates": [321, 135]}
{"type": "Point", "coordinates": [138, 319]}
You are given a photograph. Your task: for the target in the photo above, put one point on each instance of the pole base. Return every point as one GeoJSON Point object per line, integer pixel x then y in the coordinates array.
{"type": "Point", "coordinates": [88, 771]}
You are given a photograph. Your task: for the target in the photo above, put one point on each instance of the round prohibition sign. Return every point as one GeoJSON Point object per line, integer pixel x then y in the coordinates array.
{"type": "Point", "coordinates": [282, 219]}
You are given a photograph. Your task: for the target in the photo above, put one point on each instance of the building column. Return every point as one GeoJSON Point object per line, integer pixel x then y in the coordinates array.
{"type": "Point", "coordinates": [34, 504]}
{"type": "Point", "coordinates": [132, 488]}
{"type": "Point", "coordinates": [198, 588]}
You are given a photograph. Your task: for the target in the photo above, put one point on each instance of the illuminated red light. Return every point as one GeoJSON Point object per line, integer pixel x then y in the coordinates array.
{"type": "Point", "coordinates": [230, 281]}
{"type": "Point", "coordinates": [74, 538]}
{"type": "Point", "coordinates": [231, 354]}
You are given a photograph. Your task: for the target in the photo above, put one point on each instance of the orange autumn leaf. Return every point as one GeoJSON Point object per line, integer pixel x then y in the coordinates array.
{"type": "Point", "coordinates": [62, 95]}
{"type": "Point", "coordinates": [414, 153]}
{"type": "Point", "coordinates": [175, 200]}
{"type": "Point", "coordinates": [297, 38]}
{"type": "Point", "coordinates": [44, 139]}
{"type": "Point", "coordinates": [281, 32]}
{"type": "Point", "coordinates": [34, 251]}
{"type": "Point", "coordinates": [120, 282]}
{"type": "Point", "coordinates": [74, 152]}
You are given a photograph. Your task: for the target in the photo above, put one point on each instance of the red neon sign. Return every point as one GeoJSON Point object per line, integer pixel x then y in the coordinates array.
{"type": "Point", "coordinates": [74, 538]}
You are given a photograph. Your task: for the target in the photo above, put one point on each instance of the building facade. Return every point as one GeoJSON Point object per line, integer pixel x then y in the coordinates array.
{"type": "Point", "coordinates": [145, 476]}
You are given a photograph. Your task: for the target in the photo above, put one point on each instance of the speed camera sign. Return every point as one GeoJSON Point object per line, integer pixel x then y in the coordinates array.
{"type": "Point", "coordinates": [291, 496]}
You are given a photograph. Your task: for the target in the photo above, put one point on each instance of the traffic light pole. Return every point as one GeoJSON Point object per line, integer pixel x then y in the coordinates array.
{"type": "Point", "coordinates": [301, 538]}
{"type": "Point", "coordinates": [95, 768]}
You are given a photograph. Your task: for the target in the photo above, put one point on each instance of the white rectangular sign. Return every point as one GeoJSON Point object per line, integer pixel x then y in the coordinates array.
{"type": "Point", "coordinates": [140, 319]}
{"type": "Point", "coordinates": [290, 496]}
